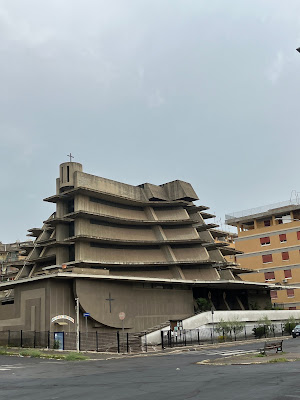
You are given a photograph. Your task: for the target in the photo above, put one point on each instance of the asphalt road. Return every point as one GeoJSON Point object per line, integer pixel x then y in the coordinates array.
{"type": "Point", "coordinates": [153, 377]}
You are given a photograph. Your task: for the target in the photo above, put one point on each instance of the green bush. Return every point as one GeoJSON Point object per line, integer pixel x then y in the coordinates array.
{"type": "Point", "coordinates": [290, 325]}
{"type": "Point", "coordinates": [203, 304]}
{"type": "Point", "coordinates": [263, 328]}
{"type": "Point", "coordinates": [56, 344]}
{"type": "Point", "coordinates": [227, 328]}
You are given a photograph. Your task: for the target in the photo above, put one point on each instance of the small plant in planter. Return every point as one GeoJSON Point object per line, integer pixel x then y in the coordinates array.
{"type": "Point", "coordinates": [56, 344]}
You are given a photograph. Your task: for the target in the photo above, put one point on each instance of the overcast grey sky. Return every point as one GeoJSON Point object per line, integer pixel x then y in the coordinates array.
{"type": "Point", "coordinates": [205, 91]}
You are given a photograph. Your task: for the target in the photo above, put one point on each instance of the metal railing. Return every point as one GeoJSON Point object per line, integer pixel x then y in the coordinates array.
{"type": "Point", "coordinates": [262, 209]}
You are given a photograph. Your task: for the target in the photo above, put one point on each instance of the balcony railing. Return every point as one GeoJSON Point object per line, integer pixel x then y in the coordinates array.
{"type": "Point", "coordinates": [262, 209]}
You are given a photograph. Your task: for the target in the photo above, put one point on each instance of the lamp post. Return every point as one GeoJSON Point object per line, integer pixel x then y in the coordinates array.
{"type": "Point", "coordinates": [213, 325]}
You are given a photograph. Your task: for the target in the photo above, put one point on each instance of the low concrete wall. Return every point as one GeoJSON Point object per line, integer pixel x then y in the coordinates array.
{"type": "Point", "coordinates": [249, 317]}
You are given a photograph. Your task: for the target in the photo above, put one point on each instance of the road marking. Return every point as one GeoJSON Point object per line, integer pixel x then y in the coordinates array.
{"type": "Point", "coordinates": [227, 352]}
{"type": "Point", "coordinates": [8, 367]}
{"type": "Point", "coordinates": [292, 395]}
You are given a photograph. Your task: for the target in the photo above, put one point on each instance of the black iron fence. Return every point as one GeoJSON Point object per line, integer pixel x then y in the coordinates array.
{"type": "Point", "coordinates": [119, 342]}
{"type": "Point", "coordinates": [187, 337]}
{"type": "Point", "coordinates": [115, 342]}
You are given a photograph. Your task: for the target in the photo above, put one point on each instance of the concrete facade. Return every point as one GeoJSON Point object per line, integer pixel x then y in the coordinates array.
{"type": "Point", "coordinates": [269, 244]}
{"type": "Point", "coordinates": [145, 250]}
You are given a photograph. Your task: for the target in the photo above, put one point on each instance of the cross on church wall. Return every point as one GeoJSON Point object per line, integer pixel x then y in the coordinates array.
{"type": "Point", "coordinates": [110, 299]}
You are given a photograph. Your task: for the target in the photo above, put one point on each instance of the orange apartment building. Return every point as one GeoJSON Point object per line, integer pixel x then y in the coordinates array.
{"type": "Point", "coordinates": [269, 238]}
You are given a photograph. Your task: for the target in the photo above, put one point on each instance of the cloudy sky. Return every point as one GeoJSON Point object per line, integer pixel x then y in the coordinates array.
{"type": "Point", "coordinates": [205, 91]}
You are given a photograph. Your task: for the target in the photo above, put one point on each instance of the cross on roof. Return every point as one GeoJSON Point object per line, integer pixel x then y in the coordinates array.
{"type": "Point", "coordinates": [70, 155]}
{"type": "Point", "coordinates": [110, 299]}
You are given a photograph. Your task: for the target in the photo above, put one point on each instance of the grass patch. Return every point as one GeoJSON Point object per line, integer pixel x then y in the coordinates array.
{"type": "Point", "coordinates": [38, 354]}
{"type": "Point", "coordinates": [260, 355]}
{"type": "Point", "coordinates": [30, 353]}
{"type": "Point", "coordinates": [75, 357]}
{"type": "Point", "coordinates": [277, 360]}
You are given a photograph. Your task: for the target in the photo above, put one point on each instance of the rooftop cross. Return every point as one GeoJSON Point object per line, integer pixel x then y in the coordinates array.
{"type": "Point", "coordinates": [110, 300]}
{"type": "Point", "coordinates": [70, 155]}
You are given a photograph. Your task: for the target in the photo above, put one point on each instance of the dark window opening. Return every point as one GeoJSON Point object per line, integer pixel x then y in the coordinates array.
{"type": "Point", "coordinates": [72, 253]}
{"type": "Point", "coordinates": [68, 173]}
{"type": "Point", "coordinates": [62, 175]}
{"type": "Point", "coordinates": [267, 222]}
{"type": "Point", "coordinates": [70, 206]}
{"type": "Point", "coordinates": [8, 301]}
{"type": "Point", "coordinates": [71, 229]}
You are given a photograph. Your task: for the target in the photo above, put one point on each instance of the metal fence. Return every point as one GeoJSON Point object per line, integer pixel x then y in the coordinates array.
{"type": "Point", "coordinates": [212, 335]}
{"type": "Point", "coordinates": [115, 342]}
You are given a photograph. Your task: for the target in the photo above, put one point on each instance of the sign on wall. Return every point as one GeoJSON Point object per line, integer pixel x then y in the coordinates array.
{"type": "Point", "coordinates": [62, 317]}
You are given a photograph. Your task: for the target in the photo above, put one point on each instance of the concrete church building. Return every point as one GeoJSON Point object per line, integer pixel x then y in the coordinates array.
{"type": "Point", "coordinates": [143, 250]}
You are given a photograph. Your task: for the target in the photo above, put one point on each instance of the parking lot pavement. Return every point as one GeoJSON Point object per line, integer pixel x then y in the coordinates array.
{"type": "Point", "coordinates": [173, 376]}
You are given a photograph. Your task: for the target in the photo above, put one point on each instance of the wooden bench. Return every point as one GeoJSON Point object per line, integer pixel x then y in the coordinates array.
{"type": "Point", "coordinates": [271, 346]}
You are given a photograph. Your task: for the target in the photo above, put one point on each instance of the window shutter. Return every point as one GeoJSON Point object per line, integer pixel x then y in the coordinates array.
{"type": "Point", "coordinates": [269, 276]}
{"type": "Point", "coordinates": [265, 240]}
{"type": "Point", "coordinates": [267, 258]}
{"type": "Point", "coordinates": [290, 292]}
{"type": "Point", "coordinates": [287, 273]}
{"type": "Point", "coordinates": [273, 294]}
{"type": "Point", "coordinates": [285, 255]}
{"type": "Point", "coordinates": [282, 237]}
{"type": "Point", "coordinates": [298, 235]}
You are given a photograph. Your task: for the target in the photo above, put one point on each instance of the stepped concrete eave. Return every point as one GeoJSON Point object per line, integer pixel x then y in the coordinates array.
{"type": "Point", "coordinates": [232, 284]}
{"type": "Point", "coordinates": [120, 220]}
{"type": "Point", "coordinates": [128, 242]}
{"type": "Point", "coordinates": [128, 264]}
{"type": "Point", "coordinates": [114, 198]}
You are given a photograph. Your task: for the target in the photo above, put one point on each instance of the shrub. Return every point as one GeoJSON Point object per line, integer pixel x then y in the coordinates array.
{"type": "Point", "coordinates": [203, 304]}
{"type": "Point", "coordinates": [56, 344]}
{"type": "Point", "coordinates": [229, 327]}
{"type": "Point", "coordinates": [263, 328]}
{"type": "Point", "coordinates": [290, 325]}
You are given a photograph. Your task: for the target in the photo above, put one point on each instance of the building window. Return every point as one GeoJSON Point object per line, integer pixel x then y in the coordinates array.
{"type": "Point", "coordinates": [267, 222]}
{"type": "Point", "coordinates": [270, 276]}
{"type": "Point", "coordinates": [285, 255]}
{"type": "Point", "coordinates": [292, 308]}
{"type": "Point", "coordinates": [290, 292]}
{"type": "Point", "coordinates": [267, 258]}
{"type": "Point", "coordinates": [298, 235]}
{"type": "Point", "coordinates": [273, 294]}
{"type": "Point", "coordinates": [265, 241]}
{"type": "Point", "coordinates": [282, 238]}
{"type": "Point", "coordinates": [287, 273]}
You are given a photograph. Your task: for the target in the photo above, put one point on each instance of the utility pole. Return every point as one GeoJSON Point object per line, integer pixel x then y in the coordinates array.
{"type": "Point", "coordinates": [77, 324]}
